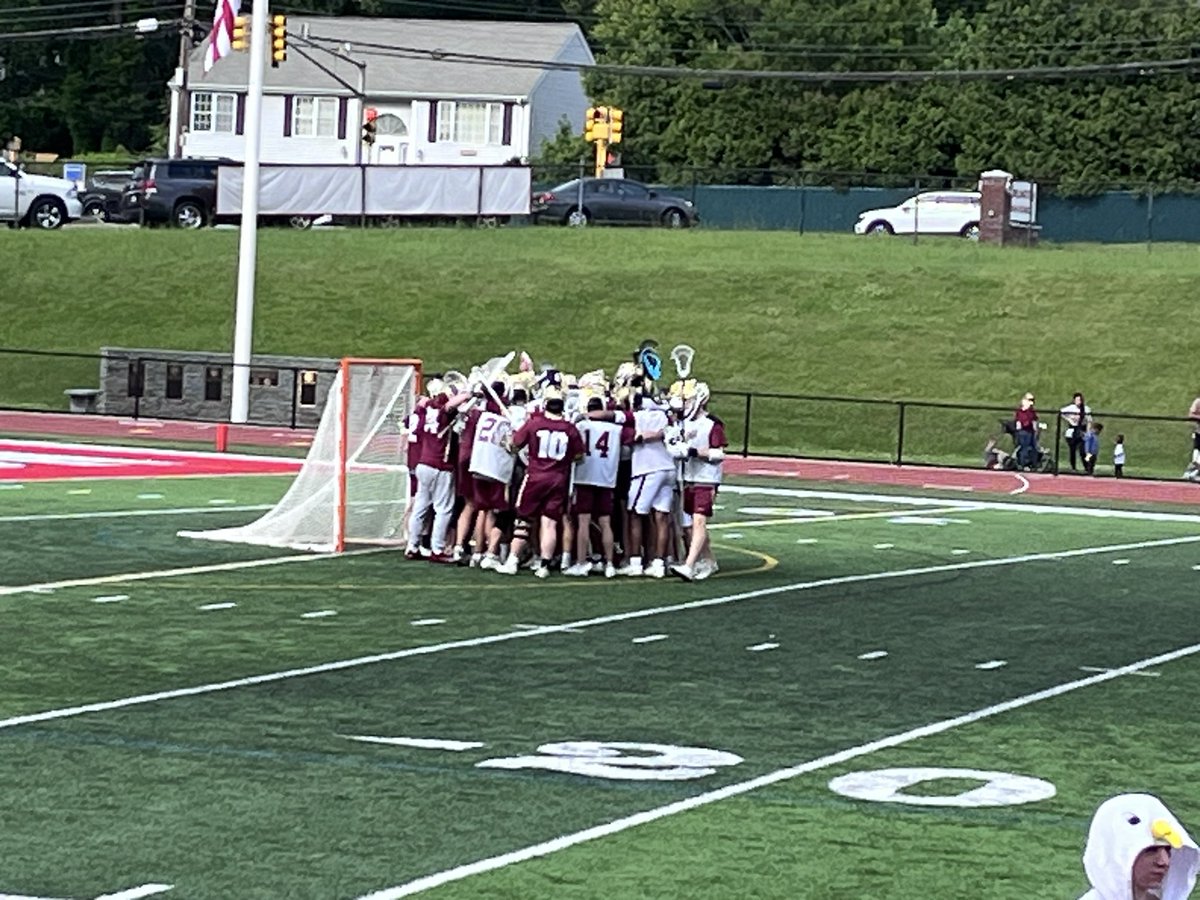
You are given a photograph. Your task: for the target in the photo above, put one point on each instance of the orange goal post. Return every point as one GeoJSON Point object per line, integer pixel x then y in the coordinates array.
{"type": "Point", "coordinates": [353, 487]}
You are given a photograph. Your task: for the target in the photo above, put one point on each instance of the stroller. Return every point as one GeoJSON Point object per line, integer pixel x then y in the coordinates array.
{"type": "Point", "coordinates": [1038, 460]}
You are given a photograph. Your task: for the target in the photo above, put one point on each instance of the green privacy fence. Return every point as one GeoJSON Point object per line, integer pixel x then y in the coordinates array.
{"type": "Point", "coordinates": [832, 202]}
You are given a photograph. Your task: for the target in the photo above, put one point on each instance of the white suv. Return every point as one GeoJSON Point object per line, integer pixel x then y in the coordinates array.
{"type": "Point", "coordinates": [932, 212]}
{"type": "Point", "coordinates": [40, 201]}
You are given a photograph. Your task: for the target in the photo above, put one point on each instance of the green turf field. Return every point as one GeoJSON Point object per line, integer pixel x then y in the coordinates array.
{"type": "Point", "coordinates": [242, 723]}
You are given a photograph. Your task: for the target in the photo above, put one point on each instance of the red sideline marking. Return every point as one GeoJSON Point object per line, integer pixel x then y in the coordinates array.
{"type": "Point", "coordinates": [36, 461]}
{"type": "Point", "coordinates": [68, 425]}
{"type": "Point", "coordinates": [981, 480]}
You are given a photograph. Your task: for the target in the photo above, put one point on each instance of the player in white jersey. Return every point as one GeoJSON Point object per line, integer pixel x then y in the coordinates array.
{"type": "Point", "coordinates": [595, 485]}
{"type": "Point", "coordinates": [703, 449]}
{"type": "Point", "coordinates": [651, 485]}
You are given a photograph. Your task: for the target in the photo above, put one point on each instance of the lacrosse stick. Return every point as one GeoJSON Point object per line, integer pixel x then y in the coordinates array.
{"type": "Point", "coordinates": [682, 357]}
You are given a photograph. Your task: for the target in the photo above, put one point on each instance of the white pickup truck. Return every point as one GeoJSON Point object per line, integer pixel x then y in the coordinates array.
{"type": "Point", "coordinates": [38, 201]}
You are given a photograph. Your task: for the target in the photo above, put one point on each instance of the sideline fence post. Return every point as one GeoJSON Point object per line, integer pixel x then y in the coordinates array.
{"type": "Point", "coordinates": [1150, 219]}
{"type": "Point", "coordinates": [900, 434]}
{"type": "Point", "coordinates": [1058, 437]}
{"type": "Point", "coordinates": [803, 196]}
{"type": "Point", "coordinates": [746, 428]}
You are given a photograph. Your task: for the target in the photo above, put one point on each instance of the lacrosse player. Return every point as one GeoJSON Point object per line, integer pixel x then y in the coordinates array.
{"type": "Point", "coordinates": [703, 449]}
{"type": "Point", "coordinates": [435, 471]}
{"type": "Point", "coordinates": [554, 445]}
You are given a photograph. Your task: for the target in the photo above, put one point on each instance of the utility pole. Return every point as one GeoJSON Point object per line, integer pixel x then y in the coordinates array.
{"type": "Point", "coordinates": [182, 99]}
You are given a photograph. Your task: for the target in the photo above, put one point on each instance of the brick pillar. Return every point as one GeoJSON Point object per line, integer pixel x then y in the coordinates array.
{"type": "Point", "coordinates": [995, 206]}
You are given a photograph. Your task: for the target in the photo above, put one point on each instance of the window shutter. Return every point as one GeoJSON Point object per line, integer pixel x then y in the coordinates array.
{"type": "Point", "coordinates": [341, 118]}
{"type": "Point", "coordinates": [506, 136]}
{"type": "Point", "coordinates": [433, 123]}
{"type": "Point", "coordinates": [287, 115]}
{"type": "Point", "coordinates": [239, 124]}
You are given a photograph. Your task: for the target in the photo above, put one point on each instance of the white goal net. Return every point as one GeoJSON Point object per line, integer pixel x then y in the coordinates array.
{"type": "Point", "coordinates": [353, 487]}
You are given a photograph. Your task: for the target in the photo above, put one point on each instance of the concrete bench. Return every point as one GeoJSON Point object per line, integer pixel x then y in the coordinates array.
{"type": "Point", "coordinates": [83, 400]}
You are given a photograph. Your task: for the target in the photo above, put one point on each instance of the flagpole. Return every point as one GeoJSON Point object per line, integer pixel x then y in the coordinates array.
{"type": "Point", "coordinates": [243, 328]}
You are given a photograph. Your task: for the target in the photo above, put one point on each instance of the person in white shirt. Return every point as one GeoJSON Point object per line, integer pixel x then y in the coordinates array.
{"type": "Point", "coordinates": [1076, 417]}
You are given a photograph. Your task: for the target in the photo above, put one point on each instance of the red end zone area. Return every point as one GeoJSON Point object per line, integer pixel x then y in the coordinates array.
{"type": "Point", "coordinates": [44, 460]}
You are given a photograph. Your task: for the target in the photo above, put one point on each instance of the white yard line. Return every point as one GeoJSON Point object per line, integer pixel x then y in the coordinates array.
{"type": "Point", "coordinates": [545, 848]}
{"type": "Point", "coordinates": [836, 517]}
{"type": "Point", "coordinates": [175, 573]}
{"type": "Point", "coordinates": [961, 505]}
{"type": "Point", "coordinates": [130, 513]}
{"type": "Point", "coordinates": [428, 649]}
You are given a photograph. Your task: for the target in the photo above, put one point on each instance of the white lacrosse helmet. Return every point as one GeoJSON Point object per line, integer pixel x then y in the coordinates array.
{"type": "Point", "coordinates": [435, 387]}
{"type": "Point", "coordinates": [696, 399]}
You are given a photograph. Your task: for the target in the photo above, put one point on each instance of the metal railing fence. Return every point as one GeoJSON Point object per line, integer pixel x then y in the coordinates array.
{"type": "Point", "coordinates": [896, 431]}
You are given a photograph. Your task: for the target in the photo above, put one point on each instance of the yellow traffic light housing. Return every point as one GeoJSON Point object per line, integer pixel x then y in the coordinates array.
{"type": "Point", "coordinates": [239, 38]}
{"type": "Point", "coordinates": [616, 123]}
{"type": "Point", "coordinates": [278, 40]}
{"type": "Point", "coordinates": [595, 124]}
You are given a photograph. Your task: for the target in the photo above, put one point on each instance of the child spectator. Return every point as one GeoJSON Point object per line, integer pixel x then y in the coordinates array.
{"type": "Point", "coordinates": [1119, 456]}
{"type": "Point", "coordinates": [1091, 447]}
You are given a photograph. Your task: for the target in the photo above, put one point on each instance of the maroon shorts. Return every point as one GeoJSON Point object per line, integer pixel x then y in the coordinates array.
{"type": "Point", "coordinates": [539, 497]}
{"type": "Point", "coordinates": [591, 500]}
{"type": "Point", "coordinates": [698, 499]}
{"type": "Point", "coordinates": [489, 495]}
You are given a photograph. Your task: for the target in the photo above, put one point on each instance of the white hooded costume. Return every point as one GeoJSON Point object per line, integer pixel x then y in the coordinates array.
{"type": "Point", "coordinates": [1122, 828]}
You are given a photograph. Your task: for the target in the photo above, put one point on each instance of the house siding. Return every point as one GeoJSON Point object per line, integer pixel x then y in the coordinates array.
{"type": "Point", "coordinates": [558, 93]}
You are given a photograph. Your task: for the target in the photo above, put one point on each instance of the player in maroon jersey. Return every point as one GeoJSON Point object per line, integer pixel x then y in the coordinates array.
{"type": "Point", "coordinates": [554, 445]}
{"type": "Point", "coordinates": [435, 472]}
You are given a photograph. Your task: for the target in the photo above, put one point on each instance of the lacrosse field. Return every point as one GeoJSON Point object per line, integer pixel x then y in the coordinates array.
{"type": "Point", "coordinates": [882, 693]}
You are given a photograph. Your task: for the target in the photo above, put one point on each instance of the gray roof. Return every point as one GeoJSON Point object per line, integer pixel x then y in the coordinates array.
{"type": "Point", "coordinates": [387, 74]}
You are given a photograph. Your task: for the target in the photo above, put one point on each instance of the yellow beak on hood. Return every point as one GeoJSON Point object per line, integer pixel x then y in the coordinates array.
{"type": "Point", "coordinates": [1162, 830]}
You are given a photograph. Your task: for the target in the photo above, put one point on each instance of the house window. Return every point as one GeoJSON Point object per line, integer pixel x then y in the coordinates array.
{"type": "Point", "coordinates": [136, 383]}
{"type": "Point", "coordinates": [215, 113]}
{"type": "Point", "coordinates": [174, 381]}
{"type": "Point", "coordinates": [471, 123]}
{"type": "Point", "coordinates": [308, 388]}
{"type": "Point", "coordinates": [315, 116]}
{"type": "Point", "coordinates": [213, 378]}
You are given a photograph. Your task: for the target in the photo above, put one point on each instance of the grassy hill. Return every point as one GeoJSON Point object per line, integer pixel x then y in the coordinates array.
{"type": "Point", "coordinates": [942, 320]}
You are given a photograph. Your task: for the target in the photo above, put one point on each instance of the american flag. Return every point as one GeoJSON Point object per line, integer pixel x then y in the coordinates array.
{"type": "Point", "coordinates": [219, 41]}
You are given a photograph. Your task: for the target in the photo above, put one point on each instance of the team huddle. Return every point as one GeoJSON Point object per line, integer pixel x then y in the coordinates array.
{"type": "Point", "coordinates": [549, 470]}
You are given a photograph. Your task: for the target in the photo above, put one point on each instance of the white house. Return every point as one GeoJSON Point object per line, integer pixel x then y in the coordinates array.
{"type": "Point", "coordinates": [431, 111]}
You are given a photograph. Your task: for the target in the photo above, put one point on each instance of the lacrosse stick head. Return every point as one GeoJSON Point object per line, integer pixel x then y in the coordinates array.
{"type": "Point", "coordinates": [682, 356]}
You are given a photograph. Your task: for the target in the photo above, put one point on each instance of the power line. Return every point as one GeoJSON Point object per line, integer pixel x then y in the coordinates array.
{"type": "Point", "coordinates": [1040, 73]}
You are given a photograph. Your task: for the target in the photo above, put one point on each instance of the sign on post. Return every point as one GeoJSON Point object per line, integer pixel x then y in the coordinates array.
{"type": "Point", "coordinates": [76, 172]}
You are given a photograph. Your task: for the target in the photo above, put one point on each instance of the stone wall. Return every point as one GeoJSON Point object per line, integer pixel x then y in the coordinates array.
{"type": "Point", "coordinates": [179, 384]}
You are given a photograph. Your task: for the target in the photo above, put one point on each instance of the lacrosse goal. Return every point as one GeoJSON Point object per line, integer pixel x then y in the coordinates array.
{"type": "Point", "coordinates": [353, 487]}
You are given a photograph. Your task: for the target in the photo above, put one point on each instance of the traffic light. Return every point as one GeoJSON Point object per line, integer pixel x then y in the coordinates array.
{"type": "Point", "coordinates": [278, 40]}
{"type": "Point", "coordinates": [616, 121]}
{"type": "Point", "coordinates": [240, 37]}
{"type": "Point", "coordinates": [595, 124]}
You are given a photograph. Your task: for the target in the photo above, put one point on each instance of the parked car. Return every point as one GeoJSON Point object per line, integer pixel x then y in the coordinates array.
{"type": "Point", "coordinates": [931, 212]}
{"type": "Point", "coordinates": [37, 201]}
{"type": "Point", "coordinates": [101, 197]}
{"type": "Point", "coordinates": [611, 201]}
{"type": "Point", "coordinates": [177, 192]}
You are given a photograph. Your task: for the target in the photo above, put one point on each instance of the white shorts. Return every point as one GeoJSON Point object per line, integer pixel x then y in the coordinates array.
{"type": "Point", "coordinates": [653, 490]}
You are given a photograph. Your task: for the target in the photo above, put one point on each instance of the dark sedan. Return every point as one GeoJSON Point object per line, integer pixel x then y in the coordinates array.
{"type": "Point", "coordinates": [101, 196]}
{"type": "Point", "coordinates": [611, 201]}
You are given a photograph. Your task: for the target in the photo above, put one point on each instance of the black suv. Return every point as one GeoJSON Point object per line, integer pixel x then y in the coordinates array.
{"type": "Point", "coordinates": [179, 192]}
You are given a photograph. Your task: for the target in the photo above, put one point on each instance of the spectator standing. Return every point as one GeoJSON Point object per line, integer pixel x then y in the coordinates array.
{"type": "Point", "coordinates": [1192, 473]}
{"type": "Point", "coordinates": [1119, 456]}
{"type": "Point", "coordinates": [1025, 420]}
{"type": "Point", "coordinates": [1077, 416]}
{"type": "Point", "coordinates": [1091, 447]}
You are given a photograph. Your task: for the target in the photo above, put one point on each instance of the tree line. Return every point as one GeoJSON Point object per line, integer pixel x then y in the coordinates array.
{"type": "Point", "coordinates": [1087, 94]}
